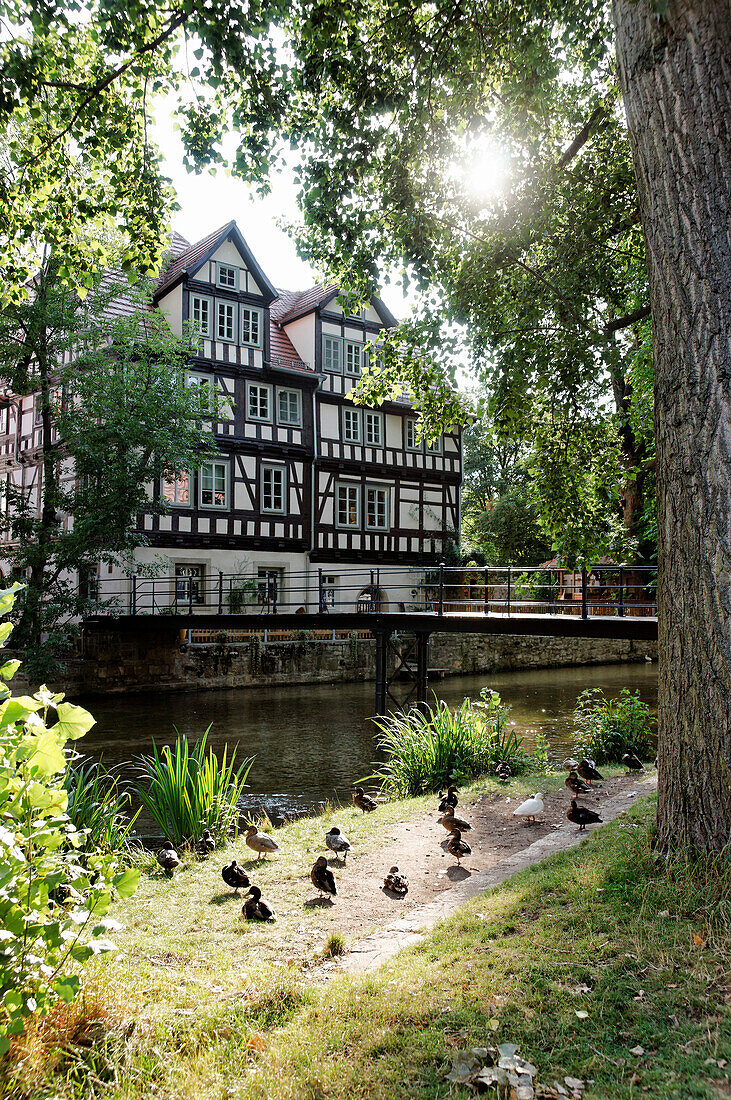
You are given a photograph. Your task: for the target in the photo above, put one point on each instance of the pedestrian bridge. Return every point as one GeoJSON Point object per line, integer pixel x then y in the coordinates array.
{"type": "Point", "coordinates": [605, 601]}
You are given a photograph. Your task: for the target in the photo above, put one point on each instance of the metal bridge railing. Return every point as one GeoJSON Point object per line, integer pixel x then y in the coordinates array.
{"type": "Point", "coordinates": [603, 590]}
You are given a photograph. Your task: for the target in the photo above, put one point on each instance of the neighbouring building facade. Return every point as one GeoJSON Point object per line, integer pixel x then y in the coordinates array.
{"type": "Point", "coordinates": [306, 486]}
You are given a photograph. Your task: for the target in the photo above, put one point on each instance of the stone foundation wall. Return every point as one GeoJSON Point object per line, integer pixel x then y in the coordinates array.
{"type": "Point", "coordinates": [159, 660]}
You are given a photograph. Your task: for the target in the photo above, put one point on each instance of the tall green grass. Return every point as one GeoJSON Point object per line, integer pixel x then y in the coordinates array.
{"type": "Point", "coordinates": [100, 801]}
{"type": "Point", "coordinates": [427, 750]}
{"type": "Point", "coordinates": [608, 728]}
{"type": "Point", "coordinates": [187, 790]}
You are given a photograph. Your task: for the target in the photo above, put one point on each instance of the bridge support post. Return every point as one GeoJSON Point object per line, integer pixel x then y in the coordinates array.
{"type": "Point", "coordinates": [422, 671]}
{"type": "Point", "coordinates": [382, 639]}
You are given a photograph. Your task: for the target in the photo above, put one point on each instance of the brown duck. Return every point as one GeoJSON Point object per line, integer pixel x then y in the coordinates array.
{"type": "Point", "coordinates": [587, 770]}
{"type": "Point", "coordinates": [457, 847]}
{"type": "Point", "coordinates": [255, 908]}
{"type": "Point", "coordinates": [396, 883]}
{"type": "Point", "coordinates": [632, 762]}
{"type": "Point", "coordinates": [582, 816]}
{"type": "Point", "coordinates": [235, 876]}
{"type": "Point", "coordinates": [450, 822]}
{"type": "Point", "coordinates": [578, 786]}
{"type": "Point", "coordinates": [450, 799]}
{"type": "Point", "coordinates": [364, 801]}
{"type": "Point", "coordinates": [322, 877]}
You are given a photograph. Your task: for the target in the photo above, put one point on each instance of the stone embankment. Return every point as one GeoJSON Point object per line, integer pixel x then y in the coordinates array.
{"type": "Point", "coordinates": [162, 659]}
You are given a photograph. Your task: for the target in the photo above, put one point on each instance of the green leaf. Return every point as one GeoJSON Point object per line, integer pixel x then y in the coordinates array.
{"type": "Point", "coordinates": [73, 722]}
{"type": "Point", "coordinates": [48, 757]}
{"type": "Point", "coordinates": [67, 988]}
{"type": "Point", "coordinates": [8, 670]}
{"type": "Point", "coordinates": [126, 883]}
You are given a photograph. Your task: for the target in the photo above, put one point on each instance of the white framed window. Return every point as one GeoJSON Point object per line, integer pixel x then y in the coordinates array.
{"type": "Point", "coordinates": [376, 508]}
{"type": "Point", "coordinates": [289, 409]}
{"type": "Point", "coordinates": [258, 402]}
{"type": "Point", "coordinates": [189, 583]}
{"type": "Point", "coordinates": [273, 488]}
{"type": "Point", "coordinates": [213, 485]}
{"type": "Point", "coordinates": [348, 505]}
{"type": "Point", "coordinates": [227, 276]}
{"type": "Point", "coordinates": [4, 419]}
{"type": "Point", "coordinates": [251, 327]}
{"type": "Point", "coordinates": [176, 490]}
{"type": "Point", "coordinates": [351, 426]}
{"type": "Point", "coordinates": [413, 443]}
{"type": "Point", "coordinates": [202, 393]}
{"type": "Point", "coordinates": [332, 354]}
{"type": "Point", "coordinates": [353, 359]}
{"type": "Point", "coordinates": [435, 447]}
{"type": "Point", "coordinates": [226, 321]}
{"type": "Point", "coordinates": [201, 313]}
{"type": "Point", "coordinates": [373, 422]}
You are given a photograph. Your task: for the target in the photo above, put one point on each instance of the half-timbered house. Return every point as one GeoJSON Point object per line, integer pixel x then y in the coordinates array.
{"type": "Point", "coordinates": [304, 482]}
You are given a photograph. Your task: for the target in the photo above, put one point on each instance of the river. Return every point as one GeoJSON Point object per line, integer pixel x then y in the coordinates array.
{"type": "Point", "coordinates": [311, 741]}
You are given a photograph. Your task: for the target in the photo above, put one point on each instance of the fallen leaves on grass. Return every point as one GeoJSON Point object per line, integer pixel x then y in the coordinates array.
{"type": "Point", "coordinates": [511, 1077]}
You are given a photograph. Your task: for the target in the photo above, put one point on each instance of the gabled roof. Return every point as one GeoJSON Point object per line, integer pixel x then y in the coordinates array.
{"type": "Point", "coordinates": [192, 259]}
{"type": "Point", "coordinates": [282, 352]}
{"type": "Point", "coordinates": [293, 304]}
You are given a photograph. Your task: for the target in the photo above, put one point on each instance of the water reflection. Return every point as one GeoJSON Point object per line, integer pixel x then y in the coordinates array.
{"type": "Point", "coordinates": [311, 741]}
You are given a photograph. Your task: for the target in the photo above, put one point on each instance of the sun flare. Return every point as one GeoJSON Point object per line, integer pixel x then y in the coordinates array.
{"type": "Point", "coordinates": [487, 170]}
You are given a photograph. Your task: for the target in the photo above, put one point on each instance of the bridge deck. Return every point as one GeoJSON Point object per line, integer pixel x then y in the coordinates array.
{"type": "Point", "coordinates": [641, 628]}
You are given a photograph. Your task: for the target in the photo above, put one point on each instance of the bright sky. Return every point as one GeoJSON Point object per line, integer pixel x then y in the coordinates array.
{"type": "Point", "coordinates": [207, 201]}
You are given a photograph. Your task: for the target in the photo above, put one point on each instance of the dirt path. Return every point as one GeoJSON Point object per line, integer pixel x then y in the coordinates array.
{"type": "Point", "coordinates": [501, 844]}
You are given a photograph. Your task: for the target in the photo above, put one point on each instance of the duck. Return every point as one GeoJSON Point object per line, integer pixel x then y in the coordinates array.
{"type": "Point", "coordinates": [235, 876]}
{"type": "Point", "coordinates": [260, 842]}
{"type": "Point", "coordinates": [632, 762]}
{"type": "Point", "coordinates": [578, 786]}
{"type": "Point", "coordinates": [503, 771]}
{"type": "Point", "coordinates": [457, 847]}
{"type": "Point", "coordinates": [205, 845]}
{"type": "Point", "coordinates": [168, 858]}
{"type": "Point", "coordinates": [450, 822]}
{"type": "Point", "coordinates": [582, 816]}
{"type": "Point", "coordinates": [322, 877]}
{"type": "Point", "coordinates": [255, 908]}
{"type": "Point", "coordinates": [570, 764]}
{"type": "Point", "coordinates": [364, 801]}
{"type": "Point", "coordinates": [531, 807]}
{"type": "Point", "coordinates": [337, 842]}
{"type": "Point", "coordinates": [396, 882]}
{"type": "Point", "coordinates": [451, 798]}
{"type": "Point", "coordinates": [587, 770]}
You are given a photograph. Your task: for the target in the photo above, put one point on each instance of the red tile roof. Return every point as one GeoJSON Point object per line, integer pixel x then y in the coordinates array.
{"type": "Point", "coordinates": [294, 303]}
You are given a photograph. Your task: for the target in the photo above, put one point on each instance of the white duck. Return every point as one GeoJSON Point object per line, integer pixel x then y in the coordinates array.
{"type": "Point", "coordinates": [531, 807]}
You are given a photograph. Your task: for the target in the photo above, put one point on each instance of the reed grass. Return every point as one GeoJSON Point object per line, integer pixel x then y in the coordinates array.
{"type": "Point", "coordinates": [425, 751]}
{"type": "Point", "coordinates": [100, 801]}
{"type": "Point", "coordinates": [186, 790]}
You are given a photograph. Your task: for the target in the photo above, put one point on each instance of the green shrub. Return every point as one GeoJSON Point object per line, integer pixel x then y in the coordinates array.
{"type": "Point", "coordinates": [608, 728]}
{"type": "Point", "coordinates": [54, 897]}
{"type": "Point", "coordinates": [426, 751]}
{"type": "Point", "coordinates": [188, 790]}
{"type": "Point", "coordinates": [99, 802]}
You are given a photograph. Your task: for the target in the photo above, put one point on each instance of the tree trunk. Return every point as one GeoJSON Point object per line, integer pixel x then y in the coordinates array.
{"type": "Point", "coordinates": [675, 74]}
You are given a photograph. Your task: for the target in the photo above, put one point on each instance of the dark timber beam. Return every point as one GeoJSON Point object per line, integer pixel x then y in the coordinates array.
{"type": "Point", "coordinates": [546, 626]}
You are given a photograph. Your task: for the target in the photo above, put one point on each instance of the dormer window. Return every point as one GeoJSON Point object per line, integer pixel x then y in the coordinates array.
{"type": "Point", "coordinates": [227, 277]}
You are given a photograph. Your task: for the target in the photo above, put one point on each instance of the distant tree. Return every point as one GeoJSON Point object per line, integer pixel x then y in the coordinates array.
{"type": "Point", "coordinates": [116, 417]}
{"type": "Point", "coordinates": [500, 520]}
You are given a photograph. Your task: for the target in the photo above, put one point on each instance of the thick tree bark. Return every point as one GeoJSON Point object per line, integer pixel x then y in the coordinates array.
{"type": "Point", "coordinates": [675, 73]}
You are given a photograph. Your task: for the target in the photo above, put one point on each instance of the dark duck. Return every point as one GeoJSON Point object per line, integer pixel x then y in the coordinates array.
{"type": "Point", "coordinates": [322, 877]}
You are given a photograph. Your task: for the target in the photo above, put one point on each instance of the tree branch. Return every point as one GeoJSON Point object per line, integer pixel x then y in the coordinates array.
{"type": "Point", "coordinates": [582, 137]}
{"type": "Point", "coordinates": [628, 319]}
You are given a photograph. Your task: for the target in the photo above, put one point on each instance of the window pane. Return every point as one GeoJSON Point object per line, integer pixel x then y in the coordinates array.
{"type": "Point", "coordinates": [352, 358]}
{"type": "Point", "coordinates": [333, 352]}
{"type": "Point", "coordinates": [250, 326]}
{"type": "Point", "coordinates": [225, 328]}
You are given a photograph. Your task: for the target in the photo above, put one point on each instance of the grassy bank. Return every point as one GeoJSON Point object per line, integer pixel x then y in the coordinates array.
{"type": "Point", "coordinates": [200, 1004]}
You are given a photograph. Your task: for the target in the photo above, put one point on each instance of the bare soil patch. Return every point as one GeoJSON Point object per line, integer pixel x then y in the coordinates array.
{"type": "Point", "coordinates": [418, 847]}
